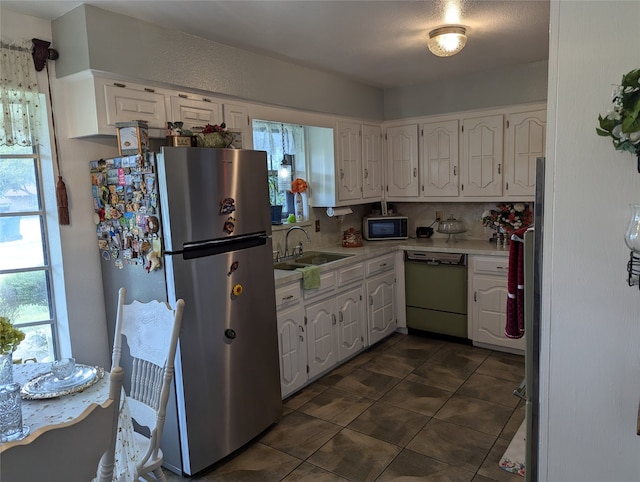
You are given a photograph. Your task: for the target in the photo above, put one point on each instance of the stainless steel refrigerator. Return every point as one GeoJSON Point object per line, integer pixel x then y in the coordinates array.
{"type": "Point", "coordinates": [215, 226]}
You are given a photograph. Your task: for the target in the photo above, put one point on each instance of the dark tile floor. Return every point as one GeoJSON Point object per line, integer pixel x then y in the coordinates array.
{"type": "Point", "coordinates": [410, 408]}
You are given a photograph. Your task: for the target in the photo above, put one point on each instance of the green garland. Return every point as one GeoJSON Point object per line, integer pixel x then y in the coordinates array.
{"type": "Point", "coordinates": [622, 122]}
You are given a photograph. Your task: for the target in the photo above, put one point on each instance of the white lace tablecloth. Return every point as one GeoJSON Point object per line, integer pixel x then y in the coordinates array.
{"type": "Point", "coordinates": [41, 413]}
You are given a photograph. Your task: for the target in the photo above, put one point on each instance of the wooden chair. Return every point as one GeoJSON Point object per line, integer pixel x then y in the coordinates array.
{"type": "Point", "coordinates": [69, 451]}
{"type": "Point", "coordinates": [151, 331]}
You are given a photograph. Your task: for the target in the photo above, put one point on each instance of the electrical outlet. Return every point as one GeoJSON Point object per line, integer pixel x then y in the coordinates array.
{"type": "Point", "coordinates": [439, 215]}
{"type": "Point", "coordinates": [317, 225]}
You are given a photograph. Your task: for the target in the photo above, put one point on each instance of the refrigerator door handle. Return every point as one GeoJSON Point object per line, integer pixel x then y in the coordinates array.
{"type": "Point", "coordinates": [219, 246]}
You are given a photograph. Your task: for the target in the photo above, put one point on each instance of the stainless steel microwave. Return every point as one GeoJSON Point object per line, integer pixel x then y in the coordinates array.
{"type": "Point", "coordinates": [384, 227]}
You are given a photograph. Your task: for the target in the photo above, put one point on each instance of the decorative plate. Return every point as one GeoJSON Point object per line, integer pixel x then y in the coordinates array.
{"type": "Point", "coordinates": [48, 386]}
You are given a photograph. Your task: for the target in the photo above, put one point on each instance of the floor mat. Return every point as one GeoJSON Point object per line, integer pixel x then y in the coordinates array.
{"type": "Point", "coordinates": [513, 458]}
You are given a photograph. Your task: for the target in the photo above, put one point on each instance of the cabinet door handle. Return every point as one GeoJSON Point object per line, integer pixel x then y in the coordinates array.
{"type": "Point", "coordinates": [183, 96]}
{"type": "Point", "coordinates": [287, 298]}
{"type": "Point", "coordinates": [499, 168]}
{"type": "Point", "coordinates": [147, 89]}
{"type": "Point", "coordinates": [366, 173]}
{"type": "Point", "coordinates": [340, 317]}
{"type": "Point", "coordinates": [507, 186]}
{"type": "Point", "coordinates": [117, 84]}
{"type": "Point", "coordinates": [301, 328]}
{"type": "Point", "coordinates": [371, 300]}
{"type": "Point", "coordinates": [333, 318]}
{"type": "Point", "coordinates": [475, 296]}
{"type": "Point", "coordinates": [204, 99]}
{"type": "Point", "coordinates": [341, 173]}
{"type": "Point", "coordinates": [415, 172]}
{"type": "Point", "coordinates": [301, 338]}
{"type": "Point", "coordinates": [382, 265]}
{"type": "Point", "coordinates": [455, 170]}
{"type": "Point", "coordinates": [502, 267]}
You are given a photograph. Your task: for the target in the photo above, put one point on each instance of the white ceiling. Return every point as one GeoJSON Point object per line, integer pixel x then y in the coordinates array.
{"type": "Point", "coordinates": [381, 43]}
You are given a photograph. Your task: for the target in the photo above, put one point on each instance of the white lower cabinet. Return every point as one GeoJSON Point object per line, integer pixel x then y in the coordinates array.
{"type": "Point", "coordinates": [334, 330]}
{"type": "Point", "coordinates": [320, 328]}
{"type": "Point", "coordinates": [488, 301]}
{"type": "Point", "coordinates": [292, 338]}
{"type": "Point", "coordinates": [292, 345]}
{"type": "Point", "coordinates": [322, 343]}
{"type": "Point", "coordinates": [350, 309]}
{"type": "Point", "coordinates": [381, 309]}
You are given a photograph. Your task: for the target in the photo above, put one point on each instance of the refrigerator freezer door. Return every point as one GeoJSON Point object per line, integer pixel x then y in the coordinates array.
{"type": "Point", "coordinates": [227, 371]}
{"type": "Point", "coordinates": [210, 194]}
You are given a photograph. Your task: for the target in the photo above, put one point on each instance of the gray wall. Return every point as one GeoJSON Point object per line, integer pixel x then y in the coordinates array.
{"type": "Point", "coordinates": [520, 84]}
{"type": "Point", "coordinates": [92, 38]}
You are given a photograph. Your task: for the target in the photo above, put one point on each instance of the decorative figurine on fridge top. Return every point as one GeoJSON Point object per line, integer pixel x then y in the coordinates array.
{"type": "Point", "coordinates": [125, 202]}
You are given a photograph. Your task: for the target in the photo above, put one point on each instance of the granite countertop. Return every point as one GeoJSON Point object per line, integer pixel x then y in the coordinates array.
{"type": "Point", "coordinates": [371, 249]}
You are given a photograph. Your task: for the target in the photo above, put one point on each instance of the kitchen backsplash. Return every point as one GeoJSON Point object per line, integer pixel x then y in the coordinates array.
{"type": "Point", "coordinates": [419, 214]}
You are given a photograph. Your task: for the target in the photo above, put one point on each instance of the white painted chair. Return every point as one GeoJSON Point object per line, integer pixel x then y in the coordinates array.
{"type": "Point", "coordinates": [151, 332]}
{"type": "Point", "coordinates": [74, 450]}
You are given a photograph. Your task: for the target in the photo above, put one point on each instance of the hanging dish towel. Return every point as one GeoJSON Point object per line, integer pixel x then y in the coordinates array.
{"type": "Point", "coordinates": [310, 277]}
{"type": "Point", "coordinates": [515, 286]}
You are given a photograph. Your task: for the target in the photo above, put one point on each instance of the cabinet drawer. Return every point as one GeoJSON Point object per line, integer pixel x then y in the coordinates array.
{"type": "Point", "coordinates": [496, 265]}
{"type": "Point", "coordinates": [350, 274]}
{"type": "Point", "coordinates": [379, 264]}
{"type": "Point", "coordinates": [327, 284]}
{"type": "Point", "coordinates": [288, 295]}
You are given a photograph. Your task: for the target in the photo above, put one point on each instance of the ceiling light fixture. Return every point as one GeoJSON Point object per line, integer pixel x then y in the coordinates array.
{"type": "Point", "coordinates": [447, 41]}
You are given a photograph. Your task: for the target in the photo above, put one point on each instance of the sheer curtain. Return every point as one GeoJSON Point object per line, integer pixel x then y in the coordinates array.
{"type": "Point", "coordinates": [267, 136]}
{"type": "Point", "coordinates": [19, 96]}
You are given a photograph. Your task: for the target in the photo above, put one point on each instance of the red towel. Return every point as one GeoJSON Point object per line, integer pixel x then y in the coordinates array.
{"type": "Point", "coordinates": [515, 286]}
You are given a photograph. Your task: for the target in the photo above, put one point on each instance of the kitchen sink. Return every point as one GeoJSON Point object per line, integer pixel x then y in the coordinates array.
{"type": "Point", "coordinates": [316, 257]}
{"type": "Point", "coordinates": [289, 265]}
{"type": "Point", "coordinates": [310, 258]}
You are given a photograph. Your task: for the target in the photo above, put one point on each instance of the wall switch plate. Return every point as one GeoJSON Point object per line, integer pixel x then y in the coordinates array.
{"type": "Point", "coordinates": [439, 215]}
{"type": "Point", "coordinates": [317, 225]}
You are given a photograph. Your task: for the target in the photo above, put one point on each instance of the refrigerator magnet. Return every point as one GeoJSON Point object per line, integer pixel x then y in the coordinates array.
{"type": "Point", "coordinates": [232, 268]}
{"type": "Point", "coordinates": [229, 225]}
{"type": "Point", "coordinates": [153, 224]}
{"type": "Point", "coordinates": [237, 290]}
{"type": "Point", "coordinates": [227, 205]}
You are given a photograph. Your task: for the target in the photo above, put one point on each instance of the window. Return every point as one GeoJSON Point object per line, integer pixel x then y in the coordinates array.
{"type": "Point", "coordinates": [26, 294]}
{"type": "Point", "coordinates": [25, 269]}
{"type": "Point", "coordinates": [286, 159]}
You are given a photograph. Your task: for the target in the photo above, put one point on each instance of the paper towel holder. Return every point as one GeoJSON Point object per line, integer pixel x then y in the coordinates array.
{"type": "Point", "coordinates": [338, 211]}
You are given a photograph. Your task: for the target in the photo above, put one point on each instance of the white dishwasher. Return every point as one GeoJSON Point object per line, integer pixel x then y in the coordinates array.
{"type": "Point", "coordinates": [436, 292]}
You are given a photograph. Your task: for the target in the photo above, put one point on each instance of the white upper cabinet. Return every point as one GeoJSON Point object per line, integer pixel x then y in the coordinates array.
{"type": "Point", "coordinates": [358, 161]}
{"type": "Point", "coordinates": [372, 171]}
{"type": "Point", "coordinates": [439, 168]}
{"type": "Point", "coordinates": [194, 111]}
{"type": "Point", "coordinates": [482, 148]}
{"type": "Point", "coordinates": [402, 161]}
{"type": "Point", "coordinates": [348, 161]}
{"type": "Point", "coordinates": [95, 104]}
{"type": "Point", "coordinates": [198, 111]}
{"type": "Point", "coordinates": [525, 141]}
{"type": "Point", "coordinates": [352, 173]}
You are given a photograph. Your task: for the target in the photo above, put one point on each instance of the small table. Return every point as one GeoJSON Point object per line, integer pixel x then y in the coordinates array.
{"type": "Point", "coordinates": [37, 414]}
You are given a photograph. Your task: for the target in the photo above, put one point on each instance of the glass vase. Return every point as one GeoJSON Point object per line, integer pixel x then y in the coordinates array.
{"type": "Point", "coordinates": [632, 236]}
{"type": "Point", "coordinates": [6, 369]}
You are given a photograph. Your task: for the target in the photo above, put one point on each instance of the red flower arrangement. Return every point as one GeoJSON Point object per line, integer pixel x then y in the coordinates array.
{"type": "Point", "coordinates": [210, 129]}
{"type": "Point", "coordinates": [508, 217]}
{"type": "Point", "coordinates": [299, 185]}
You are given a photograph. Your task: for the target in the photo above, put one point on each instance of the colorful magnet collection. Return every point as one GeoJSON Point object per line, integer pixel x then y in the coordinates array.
{"type": "Point", "coordinates": [125, 201]}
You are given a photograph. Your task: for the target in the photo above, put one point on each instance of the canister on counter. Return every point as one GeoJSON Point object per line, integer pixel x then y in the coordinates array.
{"type": "Point", "coordinates": [351, 238]}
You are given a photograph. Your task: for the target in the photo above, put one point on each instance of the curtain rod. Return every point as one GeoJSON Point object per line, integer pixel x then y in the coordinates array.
{"type": "Point", "coordinates": [9, 46]}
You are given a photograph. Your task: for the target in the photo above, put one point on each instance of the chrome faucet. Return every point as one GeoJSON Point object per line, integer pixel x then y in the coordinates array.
{"type": "Point", "coordinates": [286, 240]}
